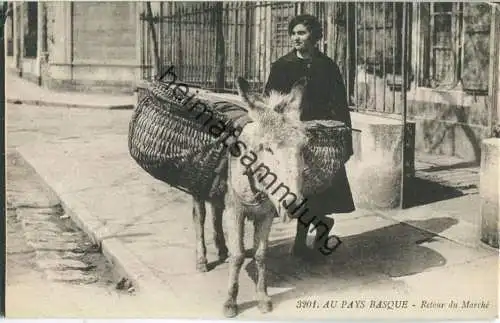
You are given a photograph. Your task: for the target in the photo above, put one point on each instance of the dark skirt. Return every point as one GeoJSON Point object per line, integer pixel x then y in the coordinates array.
{"type": "Point", "coordinates": [336, 199]}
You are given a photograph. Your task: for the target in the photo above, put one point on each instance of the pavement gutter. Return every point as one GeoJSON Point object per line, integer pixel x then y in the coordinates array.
{"type": "Point", "coordinates": [123, 261]}
{"type": "Point", "coordinates": [60, 104]}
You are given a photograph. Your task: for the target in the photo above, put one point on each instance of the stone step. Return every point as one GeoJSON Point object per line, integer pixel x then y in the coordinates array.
{"type": "Point", "coordinates": [63, 264]}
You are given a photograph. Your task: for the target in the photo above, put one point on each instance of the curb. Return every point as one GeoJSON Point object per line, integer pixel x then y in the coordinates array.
{"type": "Point", "coordinates": [70, 105]}
{"type": "Point", "coordinates": [124, 263]}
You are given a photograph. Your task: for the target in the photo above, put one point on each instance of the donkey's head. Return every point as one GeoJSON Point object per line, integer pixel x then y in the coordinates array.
{"type": "Point", "coordinates": [275, 140]}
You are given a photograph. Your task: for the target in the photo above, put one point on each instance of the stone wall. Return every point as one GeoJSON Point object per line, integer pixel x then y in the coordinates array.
{"type": "Point", "coordinates": [449, 122]}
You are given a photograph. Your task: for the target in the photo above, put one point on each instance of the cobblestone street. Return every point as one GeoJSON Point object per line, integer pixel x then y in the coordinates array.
{"type": "Point", "coordinates": [60, 249]}
{"type": "Point", "coordinates": [47, 253]}
{"type": "Point", "coordinates": [52, 266]}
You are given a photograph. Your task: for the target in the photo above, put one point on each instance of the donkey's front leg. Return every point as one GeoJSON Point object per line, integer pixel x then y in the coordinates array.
{"type": "Point", "coordinates": [262, 229]}
{"type": "Point", "coordinates": [235, 232]}
{"type": "Point", "coordinates": [217, 208]}
{"type": "Point", "coordinates": [199, 213]}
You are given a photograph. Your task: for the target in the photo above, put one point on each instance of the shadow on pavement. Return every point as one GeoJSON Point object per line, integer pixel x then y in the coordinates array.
{"type": "Point", "coordinates": [423, 191]}
{"type": "Point", "coordinates": [460, 165]}
{"type": "Point", "coordinates": [391, 251]}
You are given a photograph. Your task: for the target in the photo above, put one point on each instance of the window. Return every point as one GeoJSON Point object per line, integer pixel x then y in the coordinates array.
{"type": "Point", "coordinates": [379, 39]}
{"type": "Point", "coordinates": [455, 48]}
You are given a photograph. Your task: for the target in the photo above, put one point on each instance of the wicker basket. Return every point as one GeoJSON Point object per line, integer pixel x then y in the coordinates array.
{"type": "Point", "coordinates": [174, 145]}
{"type": "Point", "coordinates": [325, 154]}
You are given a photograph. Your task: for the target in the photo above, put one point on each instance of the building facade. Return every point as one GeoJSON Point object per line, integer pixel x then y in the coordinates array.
{"type": "Point", "coordinates": [75, 45]}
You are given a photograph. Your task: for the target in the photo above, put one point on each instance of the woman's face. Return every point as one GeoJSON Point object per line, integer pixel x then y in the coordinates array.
{"type": "Point", "coordinates": [302, 38]}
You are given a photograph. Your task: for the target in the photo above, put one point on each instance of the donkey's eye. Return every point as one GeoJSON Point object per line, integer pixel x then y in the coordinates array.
{"type": "Point", "coordinates": [279, 108]}
{"type": "Point", "coordinates": [261, 148]}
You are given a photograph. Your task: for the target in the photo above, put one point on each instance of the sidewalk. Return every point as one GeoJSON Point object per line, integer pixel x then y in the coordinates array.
{"type": "Point", "coordinates": [20, 91]}
{"type": "Point", "coordinates": [145, 228]}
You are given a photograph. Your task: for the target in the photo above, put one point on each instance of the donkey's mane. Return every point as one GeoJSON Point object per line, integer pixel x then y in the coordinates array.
{"type": "Point", "coordinates": [275, 99]}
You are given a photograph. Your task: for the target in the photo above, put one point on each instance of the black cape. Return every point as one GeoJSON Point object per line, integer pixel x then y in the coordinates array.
{"type": "Point", "coordinates": [324, 98]}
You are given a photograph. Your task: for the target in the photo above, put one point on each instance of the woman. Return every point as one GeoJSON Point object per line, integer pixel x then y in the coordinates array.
{"type": "Point", "coordinates": [324, 98]}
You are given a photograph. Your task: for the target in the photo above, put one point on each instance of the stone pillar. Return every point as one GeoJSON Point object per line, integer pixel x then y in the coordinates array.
{"type": "Point", "coordinates": [8, 35]}
{"type": "Point", "coordinates": [497, 102]}
{"type": "Point", "coordinates": [489, 191]}
{"type": "Point", "coordinates": [18, 34]}
{"type": "Point", "coordinates": [375, 170]}
{"type": "Point", "coordinates": [415, 44]}
{"type": "Point", "coordinates": [63, 37]}
{"type": "Point", "coordinates": [61, 56]}
{"type": "Point", "coordinates": [40, 40]}
{"type": "Point", "coordinates": [7, 31]}
{"type": "Point", "coordinates": [494, 69]}
{"type": "Point", "coordinates": [139, 41]}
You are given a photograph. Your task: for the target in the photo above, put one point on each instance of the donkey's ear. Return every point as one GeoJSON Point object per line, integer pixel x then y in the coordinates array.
{"type": "Point", "coordinates": [253, 101]}
{"type": "Point", "coordinates": [300, 84]}
{"type": "Point", "coordinates": [298, 89]}
{"type": "Point", "coordinates": [243, 87]}
{"type": "Point", "coordinates": [296, 94]}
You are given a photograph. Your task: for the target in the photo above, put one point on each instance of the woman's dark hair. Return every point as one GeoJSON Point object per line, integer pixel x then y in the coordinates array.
{"type": "Point", "coordinates": [310, 22]}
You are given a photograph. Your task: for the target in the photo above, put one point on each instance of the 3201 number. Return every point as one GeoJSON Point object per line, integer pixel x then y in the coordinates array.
{"type": "Point", "coordinates": [303, 304]}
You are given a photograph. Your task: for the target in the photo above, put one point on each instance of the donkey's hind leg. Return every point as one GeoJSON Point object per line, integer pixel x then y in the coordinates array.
{"type": "Point", "coordinates": [199, 214]}
{"type": "Point", "coordinates": [261, 237]}
{"type": "Point", "coordinates": [217, 208]}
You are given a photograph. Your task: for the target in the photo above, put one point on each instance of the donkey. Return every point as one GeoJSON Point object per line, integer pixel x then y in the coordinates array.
{"type": "Point", "coordinates": [263, 182]}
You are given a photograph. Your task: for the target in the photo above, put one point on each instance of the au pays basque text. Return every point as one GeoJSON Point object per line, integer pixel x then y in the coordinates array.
{"type": "Point", "coordinates": [389, 304]}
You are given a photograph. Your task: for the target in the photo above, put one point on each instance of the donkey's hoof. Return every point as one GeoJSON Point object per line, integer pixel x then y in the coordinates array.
{"type": "Point", "coordinates": [249, 253]}
{"type": "Point", "coordinates": [265, 306]}
{"type": "Point", "coordinates": [223, 256]}
{"type": "Point", "coordinates": [230, 309]}
{"type": "Point", "coordinates": [202, 266]}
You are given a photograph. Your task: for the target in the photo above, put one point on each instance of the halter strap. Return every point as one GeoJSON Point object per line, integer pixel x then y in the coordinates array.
{"type": "Point", "coordinates": [259, 196]}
